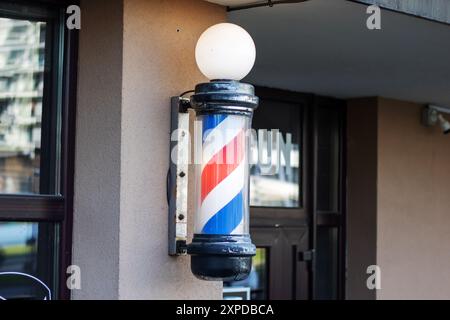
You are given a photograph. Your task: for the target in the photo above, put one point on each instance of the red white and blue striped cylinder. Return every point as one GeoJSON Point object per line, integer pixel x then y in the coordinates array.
{"type": "Point", "coordinates": [222, 206]}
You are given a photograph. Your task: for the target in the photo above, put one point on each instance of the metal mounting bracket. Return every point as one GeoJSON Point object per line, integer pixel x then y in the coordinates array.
{"type": "Point", "coordinates": [178, 176]}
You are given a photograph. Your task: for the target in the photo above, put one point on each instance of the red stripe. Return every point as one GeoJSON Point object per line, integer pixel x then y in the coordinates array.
{"type": "Point", "coordinates": [222, 164]}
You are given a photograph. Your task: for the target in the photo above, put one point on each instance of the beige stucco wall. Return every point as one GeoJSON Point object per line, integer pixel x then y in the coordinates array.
{"type": "Point", "coordinates": [159, 62]}
{"type": "Point", "coordinates": [410, 219]}
{"type": "Point", "coordinates": [413, 242]}
{"type": "Point", "coordinates": [98, 141]}
{"type": "Point", "coordinates": [134, 55]}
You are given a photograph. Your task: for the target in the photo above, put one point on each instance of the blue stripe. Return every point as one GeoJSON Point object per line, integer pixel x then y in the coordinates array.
{"type": "Point", "coordinates": [210, 121]}
{"type": "Point", "coordinates": [227, 219]}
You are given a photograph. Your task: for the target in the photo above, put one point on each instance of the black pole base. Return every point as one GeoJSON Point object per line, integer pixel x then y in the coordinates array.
{"type": "Point", "coordinates": [221, 268]}
{"type": "Point", "coordinates": [221, 257]}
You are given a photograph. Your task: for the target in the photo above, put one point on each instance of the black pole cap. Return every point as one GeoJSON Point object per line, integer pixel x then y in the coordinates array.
{"type": "Point", "coordinates": [224, 96]}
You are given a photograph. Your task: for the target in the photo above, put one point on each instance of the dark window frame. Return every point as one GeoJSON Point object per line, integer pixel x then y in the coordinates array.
{"type": "Point", "coordinates": [336, 218]}
{"type": "Point", "coordinates": [60, 89]}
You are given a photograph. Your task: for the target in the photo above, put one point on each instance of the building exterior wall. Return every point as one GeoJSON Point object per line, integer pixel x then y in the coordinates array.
{"type": "Point", "coordinates": [98, 141]}
{"type": "Point", "coordinates": [134, 55]}
{"type": "Point", "coordinates": [413, 204]}
{"type": "Point", "coordinates": [411, 223]}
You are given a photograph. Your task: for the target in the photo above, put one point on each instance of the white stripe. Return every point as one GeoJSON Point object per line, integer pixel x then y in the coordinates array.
{"type": "Point", "coordinates": [220, 136]}
{"type": "Point", "coordinates": [240, 228]}
{"type": "Point", "coordinates": [222, 194]}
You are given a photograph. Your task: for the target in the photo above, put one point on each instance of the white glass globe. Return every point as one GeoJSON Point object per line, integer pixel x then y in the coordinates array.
{"type": "Point", "coordinates": [225, 51]}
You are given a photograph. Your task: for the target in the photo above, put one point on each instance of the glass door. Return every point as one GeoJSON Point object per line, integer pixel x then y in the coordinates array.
{"type": "Point", "coordinates": [295, 198]}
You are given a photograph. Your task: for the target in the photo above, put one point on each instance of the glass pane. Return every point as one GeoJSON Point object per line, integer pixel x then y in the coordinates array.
{"type": "Point", "coordinates": [327, 263]}
{"type": "Point", "coordinates": [257, 281]}
{"type": "Point", "coordinates": [274, 180]}
{"type": "Point", "coordinates": [22, 56]}
{"type": "Point", "coordinates": [27, 260]}
{"type": "Point", "coordinates": [328, 159]}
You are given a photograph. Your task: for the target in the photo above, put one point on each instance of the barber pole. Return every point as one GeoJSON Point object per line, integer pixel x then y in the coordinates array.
{"type": "Point", "coordinates": [221, 248]}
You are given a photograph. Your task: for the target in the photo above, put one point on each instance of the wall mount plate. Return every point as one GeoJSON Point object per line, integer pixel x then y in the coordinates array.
{"type": "Point", "coordinates": [178, 176]}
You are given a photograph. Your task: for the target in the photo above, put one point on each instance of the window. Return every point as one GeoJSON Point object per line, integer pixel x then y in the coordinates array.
{"type": "Point", "coordinates": [20, 151]}
{"type": "Point", "coordinates": [36, 156]}
{"type": "Point", "coordinates": [327, 263]}
{"type": "Point", "coordinates": [274, 181]}
{"type": "Point", "coordinates": [28, 251]}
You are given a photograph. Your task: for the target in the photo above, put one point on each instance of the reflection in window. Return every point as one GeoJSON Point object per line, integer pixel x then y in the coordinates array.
{"type": "Point", "coordinates": [257, 280]}
{"type": "Point", "coordinates": [26, 252]}
{"type": "Point", "coordinates": [327, 263]}
{"type": "Point", "coordinates": [21, 92]}
{"type": "Point", "coordinates": [279, 187]}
